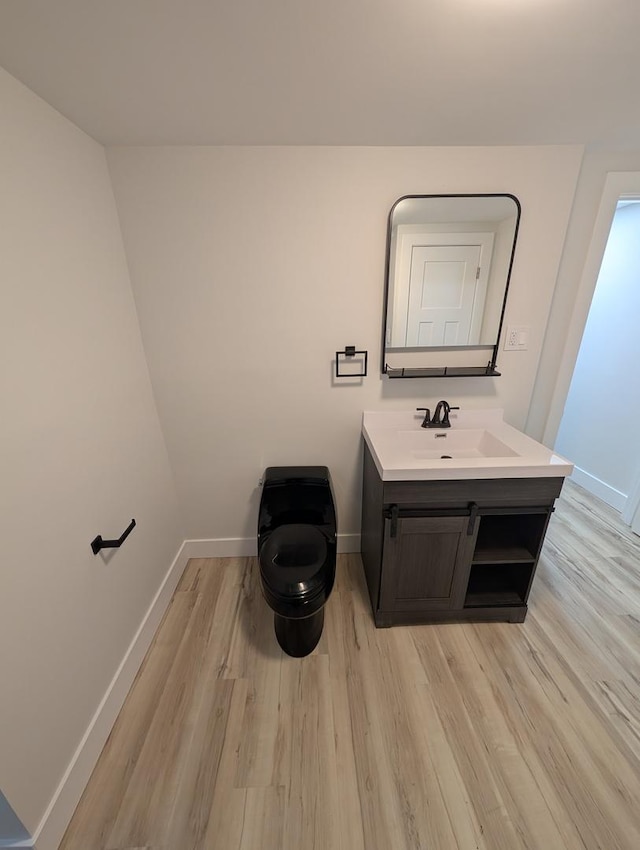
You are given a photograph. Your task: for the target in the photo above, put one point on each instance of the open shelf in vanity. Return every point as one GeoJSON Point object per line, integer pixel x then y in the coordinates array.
{"type": "Point", "coordinates": [505, 556]}
{"type": "Point", "coordinates": [498, 584]}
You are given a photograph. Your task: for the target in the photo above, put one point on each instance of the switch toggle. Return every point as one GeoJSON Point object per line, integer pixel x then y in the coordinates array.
{"type": "Point", "coordinates": [517, 338]}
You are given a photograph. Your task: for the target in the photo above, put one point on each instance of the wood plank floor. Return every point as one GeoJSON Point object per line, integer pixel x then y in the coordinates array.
{"type": "Point", "coordinates": [471, 736]}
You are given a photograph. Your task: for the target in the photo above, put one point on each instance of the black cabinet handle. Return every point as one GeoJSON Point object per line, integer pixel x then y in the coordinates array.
{"type": "Point", "coordinates": [98, 543]}
{"type": "Point", "coordinates": [473, 513]}
{"type": "Point", "coordinates": [392, 513]}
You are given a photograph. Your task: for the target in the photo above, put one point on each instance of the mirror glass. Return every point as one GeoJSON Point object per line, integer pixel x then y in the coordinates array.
{"type": "Point", "coordinates": [449, 259]}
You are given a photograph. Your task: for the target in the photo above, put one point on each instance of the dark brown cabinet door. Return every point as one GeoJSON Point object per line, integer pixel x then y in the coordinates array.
{"type": "Point", "coordinates": [426, 562]}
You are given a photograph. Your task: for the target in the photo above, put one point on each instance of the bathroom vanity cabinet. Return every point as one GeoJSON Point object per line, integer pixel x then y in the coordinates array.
{"type": "Point", "coordinates": [452, 550]}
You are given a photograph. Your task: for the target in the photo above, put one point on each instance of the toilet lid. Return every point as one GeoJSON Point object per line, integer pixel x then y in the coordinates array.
{"type": "Point", "coordinates": [291, 556]}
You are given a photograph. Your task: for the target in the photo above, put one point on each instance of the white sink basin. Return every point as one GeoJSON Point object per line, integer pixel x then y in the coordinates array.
{"type": "Point", "coordinates": [453, 443]}
{"type": "Point", "coordinates": [479, 444]}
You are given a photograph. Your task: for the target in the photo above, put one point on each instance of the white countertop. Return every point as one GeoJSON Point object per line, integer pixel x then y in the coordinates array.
{"type": "Point", "coordinates": [480, 445]}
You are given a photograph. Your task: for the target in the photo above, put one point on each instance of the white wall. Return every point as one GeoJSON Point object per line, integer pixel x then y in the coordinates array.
{"type": "Point", "coordinates": [602, 402]}
{"type": "Point", "coordinates": [604, 176]}
{"type": "Point", "coordinates": [81, 449]}
{"type": "Point", "coordinates": [12, 831]}
{"type": "Point", "coordinates": [252, 266]}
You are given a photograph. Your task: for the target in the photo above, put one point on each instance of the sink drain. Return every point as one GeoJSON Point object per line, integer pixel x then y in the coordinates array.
{"type": "Point", "coordinates": [442, 457]}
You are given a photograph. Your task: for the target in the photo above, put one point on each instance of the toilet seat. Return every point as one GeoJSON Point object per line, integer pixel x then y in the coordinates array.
{"type": "Point", "coordinates": [292, 557]}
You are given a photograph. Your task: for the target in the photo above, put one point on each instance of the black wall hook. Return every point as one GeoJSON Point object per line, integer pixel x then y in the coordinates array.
{"type": "Point", "coordinates": [98, 543]}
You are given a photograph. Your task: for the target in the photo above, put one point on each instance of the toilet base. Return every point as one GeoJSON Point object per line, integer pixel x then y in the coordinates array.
{"type": "Point", "coordinates": [299, 637]}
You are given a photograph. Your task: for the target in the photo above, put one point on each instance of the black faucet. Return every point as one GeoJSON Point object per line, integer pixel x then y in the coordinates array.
{"type": "Point", "coordinates": [441, 415]}
{"type": "Point", "coordinates": [426, 422]}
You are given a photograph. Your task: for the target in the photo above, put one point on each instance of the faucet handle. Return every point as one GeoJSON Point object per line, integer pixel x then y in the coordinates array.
{"type": "Point", "coordinates": [427, 416]}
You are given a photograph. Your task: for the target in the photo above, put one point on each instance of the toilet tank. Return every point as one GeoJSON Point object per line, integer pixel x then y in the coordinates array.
{"type": "Point", "coordinates": [294, 495]}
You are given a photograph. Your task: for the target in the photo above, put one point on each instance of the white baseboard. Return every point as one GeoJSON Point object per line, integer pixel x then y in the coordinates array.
{"type": "Point", "coordinates": [65, 799]}
{"type": "Point", "coordinates": [245, 547]}
{"type": "Point", "coordinates": [348, 543]}
{"type": "Point", "coordinates": [599, 488]}
{"type": "Point", "coordinates": [221, 547]}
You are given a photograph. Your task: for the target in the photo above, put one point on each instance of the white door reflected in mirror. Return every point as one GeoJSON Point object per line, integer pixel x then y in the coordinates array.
{"type": "Point", "coordinates": [446, 292]}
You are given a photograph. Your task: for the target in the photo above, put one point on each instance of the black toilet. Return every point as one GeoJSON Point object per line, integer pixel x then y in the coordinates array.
{"type": "Point", "coordinates": [297, 552]}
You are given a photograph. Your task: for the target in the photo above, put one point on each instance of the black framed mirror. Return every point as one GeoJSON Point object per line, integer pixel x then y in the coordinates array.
{"type": "Point", "coordinates": [448, 267]}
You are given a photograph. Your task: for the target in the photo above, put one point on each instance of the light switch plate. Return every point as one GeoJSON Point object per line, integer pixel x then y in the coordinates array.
{"type": "Point", "coordinates": [516, 338]}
